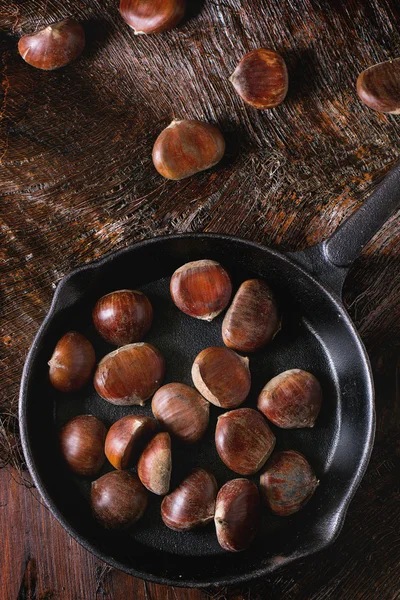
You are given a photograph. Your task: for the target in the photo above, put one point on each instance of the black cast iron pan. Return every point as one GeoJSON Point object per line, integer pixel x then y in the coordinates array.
{"type": "Point", "coordinates": [317, 335]}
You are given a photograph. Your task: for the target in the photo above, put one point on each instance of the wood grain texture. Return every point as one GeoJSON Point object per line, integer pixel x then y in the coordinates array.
{"type": "Point", "coordinates": [77, 181]}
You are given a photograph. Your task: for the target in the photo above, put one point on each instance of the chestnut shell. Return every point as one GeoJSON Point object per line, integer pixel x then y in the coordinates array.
{"type": "Point", "coordinates": [152, 16]}
{"type": "Point", "coordinates": [379, 86]}
{"type": "Point", "coordinates": [118, 499]}
{"type": "Point", "coordinates": [123, 317]}
{"type": "Point", "coordinates": [261, 78]}
{"type": "Point", "coordinates": [222, 376]}
{"type": "Point", "coordinates": [82, 444]}
{"type": "Point", "coordinates": [185, 148]}
{"type": "Point", "coordinates": [130, 375]}
{"type": "Point", "coordinates": [53, 47]}
{"type": "Point", "coordinates": [192, 503]}
{"type": "Point", "coordinates": [288, 482]}
{"type": "Point", "coordinates": [292, 399]}
{"type": "Point", "coordinates": [243, 440]}
{"type": "Point", "coordinates": [182, 411]}
{"type": "Point", "coordinates": [237, 514]}
{"type": "Point", "coordinates": [72, 362]}
{"type": "Point", "coordinates": [126, 438]}
{"type": "Point", "coordinates": [201, 289]}
{"type": "Point", "coordinates": [155, 464]}
{"type": "Point", "coordinates": [252, 320]}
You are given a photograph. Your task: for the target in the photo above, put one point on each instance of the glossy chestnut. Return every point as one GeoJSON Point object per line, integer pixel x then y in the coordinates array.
{"type": "Point", "coordinates": [126, 439]}
{"type": "Point", "coordinates": [155, 464]}
{"type": "Point", "coordinates": [192, 503]}
{"type": "Point", "coordinates": [118, 499]}
{"type": "Point", "coordinates": [252, 320]}
{"type": "Point", "coordinates": [379, 86]}
{"type": "Point", "coordinates": [201, 289]}
{"type": "Point", "coordinates": [185, 148]}
{"type": "Point", "coordinates": [182, 411]}
{"type": "Point", "coordinates": [237, 514]}
{"type": "Point", "coordinates": [292, 399]}
{"type": "Point", "coordinates": [82, 444]}
{"type": "Point", "coordinates": [261, 78]}
{"type": "Point", "coordinates": [152, 16]}
{"type": "Point", "coordinates": [243, 440]}
{"type": "Point", "coordinates": [72, 362]}
{"type": "Point", "coordinates": [287, 483]}
{"type": "Point", "coordinates": [130, 375]}
{"type": "Point", "coordinates": [54, 46]}
{"type": "Point", "coordinates": [222, 376]}
{"type": "Point", "coordinates": [123, 317]}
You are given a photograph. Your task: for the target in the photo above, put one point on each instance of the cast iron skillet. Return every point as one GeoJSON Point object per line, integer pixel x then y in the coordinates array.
{"type": "Point", "coordinates": [317, 335]}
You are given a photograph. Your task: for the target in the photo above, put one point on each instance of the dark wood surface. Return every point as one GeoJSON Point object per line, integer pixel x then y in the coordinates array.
{"type": "Point", "coordinates": [76, 181]}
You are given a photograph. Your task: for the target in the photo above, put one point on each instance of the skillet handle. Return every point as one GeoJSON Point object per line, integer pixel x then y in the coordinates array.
{"type": "Point", "coordinates": [330, 260]}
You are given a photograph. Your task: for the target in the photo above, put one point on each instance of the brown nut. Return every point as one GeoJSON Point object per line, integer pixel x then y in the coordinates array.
{"type": "Point", "coordinates": [287, 483]}
{"type": "Point", "coordinates": [182, 411]}
{"type": "Point", "coordinates": [185, 148]}
{"type": "Point", "coordinates": [152, 16]}
{"type": "Point", "coordinates": [53, 47]}
{"type": "Point", "coordinates": [82, 444]}
{"type": "Point", "coordinates": [261, 78]}
{"type": "Point", "coordinates": [126, 439]}
{"type": "Point", "coordinates": [222, 376]}
{"type": "Point", "coordinates": [291, 400]}
{"type": "Point", "coordinates": [123, 317]}
{"type": "Point", "coordinates": [192, 504]}
{"type": "Point", "coordinates": [243, 440]}
{"type": "Point", "coordinates": [252, 319]}
{"type": "Point", "coordinates": [130, 375]}
{"type": "Point", "coordinates": [118, 499]}
{"type": "Point", "coordinates": [379, 86]}
{"type": "Point", "coordinates": [155, 464]}
{"type": "Point", "coordinates": [237, 514]}
{"type": "Point", "coordinates": [72, 362]}
{"type": "Point", "coordinates": [201, 289]}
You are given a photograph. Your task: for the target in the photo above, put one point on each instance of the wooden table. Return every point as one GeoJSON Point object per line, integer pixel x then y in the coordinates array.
{"type": "Point", "coordinates": [76, 181]}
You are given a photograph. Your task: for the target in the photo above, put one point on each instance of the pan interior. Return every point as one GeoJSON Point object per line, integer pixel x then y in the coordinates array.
{"type": "Point", "coordinates": [315, 336]}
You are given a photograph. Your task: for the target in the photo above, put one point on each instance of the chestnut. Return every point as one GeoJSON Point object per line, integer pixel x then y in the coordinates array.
{"type": "Point", "coordinates": [152, 16]}
{"type": "Point", "coordinates": [54, 46]}
{"type": "Point", "coordinates": [261, 78]}
{"type": "Point", "coordinates": [185, 148]}
{"type": "Point", "coordinates": [155, 464]}
{"type": "Point", "coordinates": [182, 411]}
{"type": "Point", "coordinates": [126, 438]}
{"type": "Point", "coordinates": [222, 376]}
{"type": "Point", "coordinates": [123, 317]}
{"type": "Point", "coordinates": [192, 503]}
{"type": "Point", "coordinates": [379, 86]}
{"type": "Point", "coordinates": [130, 375]}
{"type": "Point", "coordinates": [237, 514]}
{"type": "Point", "coordinates": [82, 444]}
{"type": "Point", "coordinates": [72, 362]}
{"type": "Point", "coordinates": [292, 399]}
{"type": "Point", "coordinates": [252, 319]}
{"type": "Point", "coordinates": [118, 499]}
{"type": "Point", "coordinates": [287, 483]}
{"type": "Point", "coordinates": [201, 289]}
{"type": "Point", "coordinates": [243, 440]}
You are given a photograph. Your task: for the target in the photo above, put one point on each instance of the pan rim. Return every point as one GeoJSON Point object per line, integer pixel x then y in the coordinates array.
{"type": "Point", "coordinates": [341, 511]}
